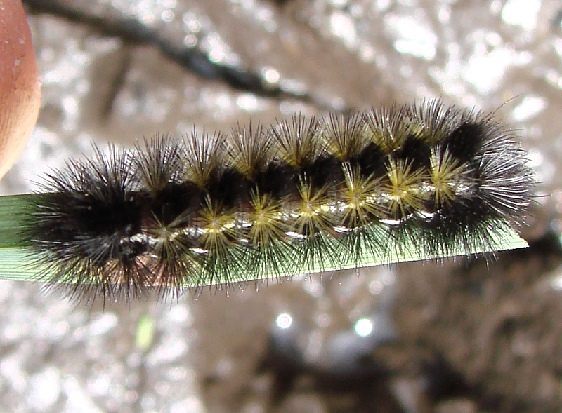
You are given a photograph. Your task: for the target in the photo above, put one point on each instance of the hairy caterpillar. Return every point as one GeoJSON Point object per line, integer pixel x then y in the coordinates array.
{"type": "Point", "coordinates": [302, 195]}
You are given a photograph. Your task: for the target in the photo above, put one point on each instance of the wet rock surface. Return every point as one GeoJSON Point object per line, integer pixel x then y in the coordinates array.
{"type": "Point", "coordinates": [454, 337]}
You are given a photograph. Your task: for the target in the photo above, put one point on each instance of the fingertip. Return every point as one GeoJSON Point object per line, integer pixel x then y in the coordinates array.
{"type": "Point", "coordinates": [19, 83]}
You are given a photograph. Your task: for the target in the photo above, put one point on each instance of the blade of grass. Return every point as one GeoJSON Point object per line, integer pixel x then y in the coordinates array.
{"type": "Point", "coordinates": [12, 211]}
{"type": "Point", "coordinates": [15, 263]}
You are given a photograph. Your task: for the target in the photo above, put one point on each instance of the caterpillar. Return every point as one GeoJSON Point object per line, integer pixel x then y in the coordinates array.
{"type": "Point", "coordinates": [305, 194]}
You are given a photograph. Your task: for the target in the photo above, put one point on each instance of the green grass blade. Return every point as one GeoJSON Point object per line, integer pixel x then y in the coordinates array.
{"type": "Point", "coordinates": [15, 263]}
{"type": "Point", "coordinates": [12, 210]}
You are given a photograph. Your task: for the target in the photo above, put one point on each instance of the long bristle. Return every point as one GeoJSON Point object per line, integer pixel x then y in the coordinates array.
{"type": "Point", "coordinates": [203, 158]}
{"type": "Point", "coordinates": [298, 140]}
